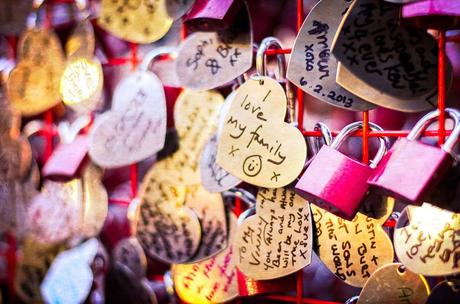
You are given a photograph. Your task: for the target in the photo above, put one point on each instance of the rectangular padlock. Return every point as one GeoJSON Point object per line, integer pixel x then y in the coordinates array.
{"type": "Point", "coordinates": [212, 15]}
{"type": "Point", "coordinates": [411, 169]}
{"type": "Point", "coordinates": [336, 182]}
{"type": "Point", "coordinates": [434, 14]}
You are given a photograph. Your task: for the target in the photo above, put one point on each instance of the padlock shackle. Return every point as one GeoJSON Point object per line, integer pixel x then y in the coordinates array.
{"type": "Point", "coordinates": [326, 136]}
{"type": "Point", "coordinates": [355, 126]}
{"type": "Point", "coordinates": [151, 56]}
{"type": "Point", "coordinates": [352, 300]}
{"type": "Point", "coordinates": [431, 118]}
{"type": "Point", "coordinates": [242, 194]}
{"type": "Point", "coordinates": [261, 69]}
{"type": "Point", "coordinates": [246, 214]}
{"type": "Point", "coordinates": [261, 57]}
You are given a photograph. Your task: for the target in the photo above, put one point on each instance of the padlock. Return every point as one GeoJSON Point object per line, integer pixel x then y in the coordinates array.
{"type": "Point", "coordinates": [411, 169]}
{"type": "Point", "coordinates": [446, 195]}
{"type": "Point", "coordinates": [433, 14]}
{"type": "Point", "coordinates": [335, 181]}
{"type": "Point", "coordinates": [172, 92]}
{"type": "Point", "coordinates": [212, 15]}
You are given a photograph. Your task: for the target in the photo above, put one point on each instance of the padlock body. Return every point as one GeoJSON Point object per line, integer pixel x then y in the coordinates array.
{"type": "Point", "coordinates": [410, 170]}
{"type": "Point", "coordinates": [212, 15]}
{"type": "Point", "coordinates": [435, 14]}
{"type": "Point", "coordinates": [335, 182]}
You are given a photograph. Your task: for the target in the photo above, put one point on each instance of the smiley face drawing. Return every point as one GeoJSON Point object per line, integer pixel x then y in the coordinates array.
{"type": "Point", "coordinates": [252, 165]}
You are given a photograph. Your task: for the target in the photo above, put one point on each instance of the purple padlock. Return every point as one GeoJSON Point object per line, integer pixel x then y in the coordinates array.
{"type": "Point", "coordinates": [336, 182]}
{"type": "Point", "coordinates": [411, 169]}
{"type": "Point", "coordinates": [433, 14]}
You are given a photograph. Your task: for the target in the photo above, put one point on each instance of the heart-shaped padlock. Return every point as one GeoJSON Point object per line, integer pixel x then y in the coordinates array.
{"type": "Point", "coordinates": [248, 147]}
{"type": "Point", "coordinates": [312, 66]}
{"type": "Point", "coordinates": [277, 240]}
{"type": "Point", "coordinates": [353, 250]}
{"type": "Point", "coordinates": [135, 127]}
{"type": "Point", "coordinates": [217, 56]}
{"type": "Point", "coordinates": [212, 280]}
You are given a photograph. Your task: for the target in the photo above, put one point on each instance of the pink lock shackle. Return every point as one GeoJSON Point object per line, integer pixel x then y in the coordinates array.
{"type": "Point", "coordinates": [355, 126]}
{"type": "Point", "coordinates": [429, 119]}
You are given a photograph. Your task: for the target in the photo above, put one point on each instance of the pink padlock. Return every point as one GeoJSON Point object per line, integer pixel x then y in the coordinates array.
{"type": "Point", "coordinates": [433, 14]}
{"type": "Point", "coordinates": [212, 15]}
{"type": "Point", "coordinates": [411, 169]}
{"type": "Point", "coordinates": [336, 182]}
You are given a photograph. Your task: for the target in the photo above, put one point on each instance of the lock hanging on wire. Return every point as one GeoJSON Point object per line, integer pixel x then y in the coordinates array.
{"type": "Point", "coordinates": [336, 182]}
{"type": "Point", "coordinates": [411, 169]}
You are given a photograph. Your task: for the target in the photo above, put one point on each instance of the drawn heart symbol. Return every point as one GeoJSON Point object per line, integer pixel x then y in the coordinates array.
{"type": "Point", "coordinates": [277, 240]}
{"type": "Point", "coordinates": [209, 281]}
{"type": "Point", "coordinates": [33, 85]}
{"type": "Point", "coordinates": [353, 250]}
{"type": "Point", "coordinates": [371, 43]}
{"type": "Point", "coordinates": [426, 240]}
{"type": "Point", "coordinates": [218, 57]}
{"type": "Point", "coordinates": [195, 117]}
{"type": "Point", "coordinates": [135, 127]}
{"type": "Point", "coordinates": [249, 148]}
{"type": "Point", "coordinates": [166, 228]}
{"type": "Point", "coordinates": [142, 22]}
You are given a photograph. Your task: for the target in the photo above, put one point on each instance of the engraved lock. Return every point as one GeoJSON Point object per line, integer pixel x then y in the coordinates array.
{"type": "Point", "coordinates": [261, 68]}
{"type": "Point", "coordinates": [218, 57]}
{"type": "Point", "coordinates": [259, 260]}
{"type": "Point", "coordinates": [259, 107]}
{"type": "Point", "coordinates": [312, 67]}
{"type": "Point", "coordinates": [139, 104]}
{"type": "Point", "coordinates": [411, 169]}
{"type": "Point", "coordinates": [212, 15]}
{"type": "Point", "coordinates": [214, 278]}
{"type": "Point", "coordinates": [337, 182]}
{"type": "Point", "coordinates": [171, 88]}
{"type": "Point", "coordinates": [434, 14]}
{"type": "Point", "coordinates": [249, 286]}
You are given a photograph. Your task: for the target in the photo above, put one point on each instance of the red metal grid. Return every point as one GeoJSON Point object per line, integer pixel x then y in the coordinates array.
{"type": "Point", "coordinates": [441, 132]}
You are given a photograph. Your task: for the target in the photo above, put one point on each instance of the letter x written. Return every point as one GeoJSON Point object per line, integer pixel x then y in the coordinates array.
{"type": "Point", "coordinates": [275, 176]}
{"type": "Point", "coordinates": [232, 152]}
